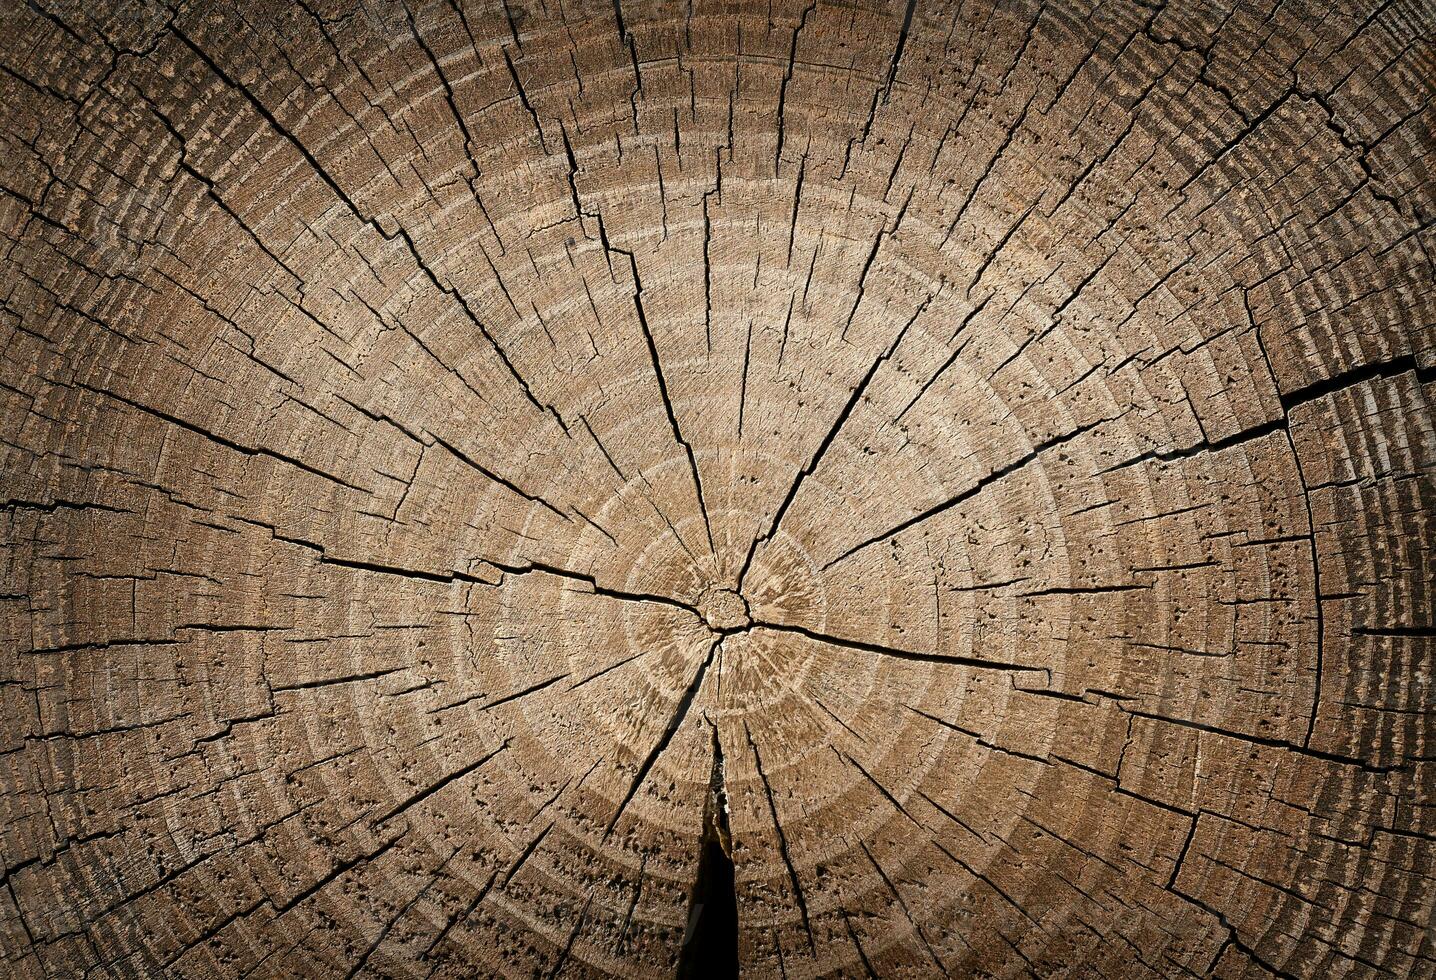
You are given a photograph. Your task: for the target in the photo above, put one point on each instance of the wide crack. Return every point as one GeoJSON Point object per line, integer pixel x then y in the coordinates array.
{"type": "Point", "coordinates": [710, 942]}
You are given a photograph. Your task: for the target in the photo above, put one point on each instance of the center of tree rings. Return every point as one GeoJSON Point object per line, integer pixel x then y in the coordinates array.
{"type": "Point", "coordinates": [723, 610]}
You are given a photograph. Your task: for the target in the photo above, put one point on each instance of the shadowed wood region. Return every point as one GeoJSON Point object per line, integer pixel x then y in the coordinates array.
{"type": "Point", "coordinates": [790, 489]}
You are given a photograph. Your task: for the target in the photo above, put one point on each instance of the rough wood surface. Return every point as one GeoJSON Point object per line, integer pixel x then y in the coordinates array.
{"type": "Point", "coordinates": [498, 489]}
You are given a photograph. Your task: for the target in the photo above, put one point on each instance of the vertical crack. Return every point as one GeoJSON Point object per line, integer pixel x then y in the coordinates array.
{"type": "Point", "coordinates": [783, 102]}
{"type": "Point", "coordinates": [898, 50]}
{"type": "Point", "coordinates": [710, 943]}
{"type": "Point", "coordinates": [743, 384]}
{"type": "Point", "coordinates": [707, 275]}
{"type": "Point", "coordinates": [782, 842]}
{"type": "Point", "coordinates": [663, 386]}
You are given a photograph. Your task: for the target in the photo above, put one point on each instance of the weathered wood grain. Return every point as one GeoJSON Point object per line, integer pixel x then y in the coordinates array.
{"type": "Point", "coordinates": [505, 489]}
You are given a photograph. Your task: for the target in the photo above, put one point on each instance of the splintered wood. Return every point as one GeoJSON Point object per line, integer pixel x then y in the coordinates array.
{"type": "Point", "coordinates": [800, 488]}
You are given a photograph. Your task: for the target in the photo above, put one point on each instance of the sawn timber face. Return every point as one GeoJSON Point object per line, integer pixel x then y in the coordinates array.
{"type": "Point", "coordinates": [507, 489]}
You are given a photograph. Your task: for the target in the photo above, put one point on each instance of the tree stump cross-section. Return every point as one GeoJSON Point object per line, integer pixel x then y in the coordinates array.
{"type": "Point", "coordinates": [648, 489]}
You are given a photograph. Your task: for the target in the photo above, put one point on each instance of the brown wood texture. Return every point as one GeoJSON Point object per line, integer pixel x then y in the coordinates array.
{"type": "Point", "coordinates": [505, 489]}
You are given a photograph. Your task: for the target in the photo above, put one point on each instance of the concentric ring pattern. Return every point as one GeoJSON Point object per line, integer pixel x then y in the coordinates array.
{"type": "Point", "coordinates": [477, 474]}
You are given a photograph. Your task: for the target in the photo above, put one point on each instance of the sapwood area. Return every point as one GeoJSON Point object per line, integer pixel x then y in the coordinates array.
{"type": "Point", "coordinates": [610, 488]}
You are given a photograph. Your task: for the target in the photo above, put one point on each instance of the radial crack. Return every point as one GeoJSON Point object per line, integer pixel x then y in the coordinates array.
{"type": "Point", "coordinates": [782, 841]}
{"type": "Point", "coordinates": [857, 393]}
{"type": "Point", "coordinates": [898, 652]}
{"type": "Point", "coordinates": [710, 943]}
{"type": "Point", "coordinates": [675, 721]}
{"type": "Point", "coordinates": [970, 492]}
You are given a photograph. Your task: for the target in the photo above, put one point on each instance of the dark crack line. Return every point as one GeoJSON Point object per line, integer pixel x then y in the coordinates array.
{"type": "Point", "coordinates": [675, 721]}
{"type": "Point", "coordinates": [337, 871]}
{"type": "Point", "coordinates": [446, 578]}
{"type": "Point", "coordinates": [611, 667]}
{"type": "Point", "coordinates": [980, 876]}
{"type": "Point", "coordinates": [782, 840]}
{"type": "Point", "coordinates": [853, 399]}
{"type": "Point", "coordinates": [567, 950]}
{"type": "Point", "coordinates": [655, 361]}
{"type": "Point", "coordinates": [592, 583]}
{"type": "Point", "coordinates": [857, 945]}
{"type": "Point", "coordinates": [710, 946]}
{"type": "Point", "coordinates": [977, 737]}
{"type": "Point", "coordinates": [383, 934]}
{"type": "Point", "coordinates": [328, 681]}
{"type": "Point", "coordinates": [951, 359]}
{"type": "Point", "coordinates": [898, 49]}
{"type": "Point", "coordinates": [461, 916]}
{"type": "Point", "coordinates": [887, 795]}
{"type": "Point", "coordinates": [897, 652]}
{"type": "Point", "coordinates": [907, 913]}
{"type": "Point", "coordinates": [1289, 401]}
{"type": "Point", "coordinates": [509, 485]}
{"type": "Point", "coordinates": [708, 275]}
{"type": "Point", "coordinates": [423, 794]}
{"type": "Point", "coordinates": [527, 853]}
{"type": "Point", "coordinates": [1234, 940]}
{"type": "Point", "coordinates": [743, 382]}
{"type": "Point", "coordinates": [879, 240]}
{"type": "Point", "coordinates": [632, 904]}
{"type": "Point", "coordinates": [1274, 743]}
{"type": "Point", "coordinates": [663, 393]}
{"type": "Point", "coordinates": [646, 494]}
{"type": "Point", "coordinates": [782, 108]}
{"type": "Point", "coordinates": [399, 233]}
{"type": "Point", "coordinates": [449, 98]}
{"type": "Point", "coordinates": [505, 698]}
{"type": "Point", "coordinates": [971, 491]}
{"type": "Point", "coordinates": [219, 440]}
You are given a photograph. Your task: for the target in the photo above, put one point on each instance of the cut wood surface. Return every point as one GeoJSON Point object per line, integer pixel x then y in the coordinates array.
{"type": "Point", "coordinates": [801, 488]}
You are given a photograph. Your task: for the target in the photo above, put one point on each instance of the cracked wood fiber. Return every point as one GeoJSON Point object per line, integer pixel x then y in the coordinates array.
{"type": "Point", "coordinates": [814, 489]}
